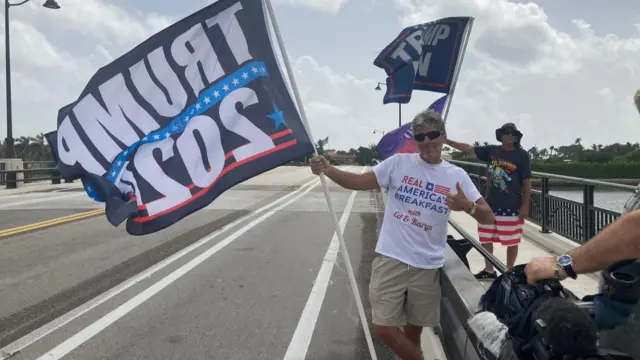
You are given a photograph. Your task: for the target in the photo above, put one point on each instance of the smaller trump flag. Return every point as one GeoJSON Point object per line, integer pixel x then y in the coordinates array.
{"type": "Point", "coordinates": [424, 57]}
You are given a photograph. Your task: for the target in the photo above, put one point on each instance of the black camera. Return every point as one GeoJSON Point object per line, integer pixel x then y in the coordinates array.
{"type": "Point", "coordinates": [547, 322]}
{"type": "Point", "coordinates": [619, 294]}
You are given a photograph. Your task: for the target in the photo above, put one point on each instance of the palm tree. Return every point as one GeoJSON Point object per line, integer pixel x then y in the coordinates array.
{"type": "Point", "coordinates": [543, 153]}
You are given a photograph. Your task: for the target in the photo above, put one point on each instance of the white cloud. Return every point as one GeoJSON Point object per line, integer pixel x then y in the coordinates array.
{"type": "Point", "coordinates": [330, 6]}
{"type": "Point", "coordinates": [527, 66]}
{"type": "Point", "coordinates": [55, 52]}
{"type": "Point", "coordinates": [555, 86]}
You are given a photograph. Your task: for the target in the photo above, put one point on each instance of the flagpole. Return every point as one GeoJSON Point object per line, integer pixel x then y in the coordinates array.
{"type": "Point", "coordinates": [336, 223]}
{"type": "Point", "coordinates": [463, 50]}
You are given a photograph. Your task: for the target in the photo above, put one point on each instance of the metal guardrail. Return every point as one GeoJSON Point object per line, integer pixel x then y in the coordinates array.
{"type": "Point", "coordinates": [10, 178]}
{"type": "Point", "coordinates": [577, 221]}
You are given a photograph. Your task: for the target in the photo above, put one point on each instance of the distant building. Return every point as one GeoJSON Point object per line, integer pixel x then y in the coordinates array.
{"type": "Point", "coordinates": [345, 159]}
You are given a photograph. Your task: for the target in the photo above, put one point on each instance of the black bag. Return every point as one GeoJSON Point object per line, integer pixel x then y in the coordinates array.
{"type": "Point", "coordinates": [521, 307]}
{"type": "Point", "coordinates": [514, 301]}
{"type": "Point", "coordinates": [461, 248]}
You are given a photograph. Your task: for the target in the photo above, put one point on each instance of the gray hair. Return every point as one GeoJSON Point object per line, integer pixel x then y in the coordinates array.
{"type": "Point", "coordinates": [428, 118]}
{"type": "Point", "coordinates": [637, 99]}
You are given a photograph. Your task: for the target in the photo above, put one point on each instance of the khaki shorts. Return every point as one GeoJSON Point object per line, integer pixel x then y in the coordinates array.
{"type": "Point", "coordinates": [401, 294]}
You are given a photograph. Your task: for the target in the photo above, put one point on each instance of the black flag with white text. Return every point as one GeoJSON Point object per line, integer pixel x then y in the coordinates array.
{"type": "Point", "coordinates": [197, 108]}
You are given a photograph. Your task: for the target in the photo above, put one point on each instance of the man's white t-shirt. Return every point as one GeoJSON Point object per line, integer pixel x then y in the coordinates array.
{"type": "Point", "coordinates": [415, 224]}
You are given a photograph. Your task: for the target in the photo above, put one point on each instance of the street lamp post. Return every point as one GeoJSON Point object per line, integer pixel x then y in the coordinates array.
{"type": "Point", "coordinates": [378, 131]}
{"type": "Point", "coordinates": [10, 151]}
{"type": "Point", "coordinates": [399, 104]}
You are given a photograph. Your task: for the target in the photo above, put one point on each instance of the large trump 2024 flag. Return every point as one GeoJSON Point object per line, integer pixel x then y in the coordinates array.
{"type": "Point", "coordinates": [197, 108]}
{"type": "Point", "coordinates": [424, 57]}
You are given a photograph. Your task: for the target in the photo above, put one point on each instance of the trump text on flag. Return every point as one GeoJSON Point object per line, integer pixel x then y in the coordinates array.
{"type": "Point", "coordinates": [422, 41]}
{"type": "Point", "coordinates": [423, 57]}
{"type": "Point", "coordinates": [190, 112]}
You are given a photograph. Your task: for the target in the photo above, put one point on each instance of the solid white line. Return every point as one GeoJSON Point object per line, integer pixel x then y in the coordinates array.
{"type": "Point", "coordinates": [301, 338]}
{"type": "Point", "coordinates": [88, 306]}
{"type": "Point", "coordinates": [39, 200]}
{"type": "Point", "coordinates": [87, 333]}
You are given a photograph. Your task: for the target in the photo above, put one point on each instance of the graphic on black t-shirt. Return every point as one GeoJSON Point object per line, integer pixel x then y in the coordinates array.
{"type": "Point", "coordinates": [507, 171]}
{"type": "Point", "coordinates": [500, 170]}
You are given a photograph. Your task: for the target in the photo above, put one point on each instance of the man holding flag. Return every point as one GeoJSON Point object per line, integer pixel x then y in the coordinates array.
{"type": "Point", "coordinates": [423, 190]}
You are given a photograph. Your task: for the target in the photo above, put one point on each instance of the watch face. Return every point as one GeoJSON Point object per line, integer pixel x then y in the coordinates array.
{"type": "Point", "coordinates": [564, 260]}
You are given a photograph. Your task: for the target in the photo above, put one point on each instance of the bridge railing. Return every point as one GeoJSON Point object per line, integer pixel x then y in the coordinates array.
{"type": "Point", "coordinates": [577, 221]}
{"type": "Point", "coordinates": [33, 171]}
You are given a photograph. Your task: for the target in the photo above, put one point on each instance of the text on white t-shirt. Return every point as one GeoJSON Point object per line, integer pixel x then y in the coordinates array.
{"type": "Point", "coordinates": [415, 224]}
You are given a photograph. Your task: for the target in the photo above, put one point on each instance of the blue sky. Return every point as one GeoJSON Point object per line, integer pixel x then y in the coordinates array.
{"type": "Point", "coordinates": [576, 79]}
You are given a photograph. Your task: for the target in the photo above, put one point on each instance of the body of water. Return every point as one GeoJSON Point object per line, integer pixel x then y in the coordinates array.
{"type": "Point", "coordinates": [607, 199]}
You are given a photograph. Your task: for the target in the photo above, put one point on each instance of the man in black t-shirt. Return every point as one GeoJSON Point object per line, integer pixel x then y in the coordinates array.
{"type": "Point", "coordinates": [508, 192]}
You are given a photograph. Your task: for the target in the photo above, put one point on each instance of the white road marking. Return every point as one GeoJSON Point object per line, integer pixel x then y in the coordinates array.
{"type": "Point", "coordinates": [301, 338]}
{"type": "Point", "coordinates": [87, 333]}
{"type": "Point", "coordinates": [61, 321]}
{"type": "Point", "coordinates": [39, 200]}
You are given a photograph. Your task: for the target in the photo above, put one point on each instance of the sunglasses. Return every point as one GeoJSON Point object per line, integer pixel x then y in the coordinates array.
{"type": "Point", "coordinates": [432, 135]}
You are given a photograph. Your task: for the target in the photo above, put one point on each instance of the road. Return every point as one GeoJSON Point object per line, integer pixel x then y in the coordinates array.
{"type": "Point", "coordinates": [235, 280]}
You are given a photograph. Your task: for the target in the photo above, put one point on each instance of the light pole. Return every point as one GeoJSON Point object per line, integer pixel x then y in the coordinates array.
{"type": "Point", "coordinates": [10, 151]}
{"type": "Point", "coordinates": [379, 131]}
{"type": "Point", "coordinates": [399, 104]}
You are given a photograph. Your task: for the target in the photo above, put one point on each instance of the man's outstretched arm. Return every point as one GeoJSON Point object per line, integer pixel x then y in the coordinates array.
{"type": "Point", "coordinates": [346, 179]}
{"type": "Point", "coordinates": [352, 181]}
{"type": "Point", "coordinates": [461, 146]}
{"type": "Point", "coordinates": [481, 152]}
{"type": "Point", "coordinates": [616, 242]}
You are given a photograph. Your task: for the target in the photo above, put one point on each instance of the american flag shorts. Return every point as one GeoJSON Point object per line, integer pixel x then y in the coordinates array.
{"type": "Point", "coordinates": [506, 230]}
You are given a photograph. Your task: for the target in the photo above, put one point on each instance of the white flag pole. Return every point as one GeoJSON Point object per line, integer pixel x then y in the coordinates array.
{"type": "Point", "coordinates": [336, 223]}
{"type": "Point", "coordinates": [463, 50]}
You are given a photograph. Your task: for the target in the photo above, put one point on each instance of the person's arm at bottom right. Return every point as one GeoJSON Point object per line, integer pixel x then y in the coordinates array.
{"type": "Point", "coordinates": [618, 241]}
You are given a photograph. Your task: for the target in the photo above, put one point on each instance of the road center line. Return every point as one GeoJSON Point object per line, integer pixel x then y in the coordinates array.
{"type": "Point", "coordinates": [301, 338]}
{"type": "Point", "coordinates": [50, 223]}
{"type": "Point", "coordinates": [54, 325]}
{"type": "Point", "coordinates": [87, 333]}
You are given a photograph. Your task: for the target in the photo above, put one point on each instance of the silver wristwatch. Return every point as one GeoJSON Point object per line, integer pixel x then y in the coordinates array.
{"type": "Point", "coordinates": [473, 209]}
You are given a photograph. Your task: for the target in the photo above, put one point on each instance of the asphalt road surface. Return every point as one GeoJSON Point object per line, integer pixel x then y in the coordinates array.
{"type": "Point", "coordinates": [255, 275]}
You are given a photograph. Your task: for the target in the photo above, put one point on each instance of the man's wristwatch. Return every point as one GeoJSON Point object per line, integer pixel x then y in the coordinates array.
{"type": "Point", "coordinates": [566, 263]}
{"type": "Point", "coordinates": [472, 211]}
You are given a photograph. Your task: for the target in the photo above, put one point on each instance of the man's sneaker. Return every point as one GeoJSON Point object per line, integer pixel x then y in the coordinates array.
{"type": "Point", "coordinates": [485, 275]}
